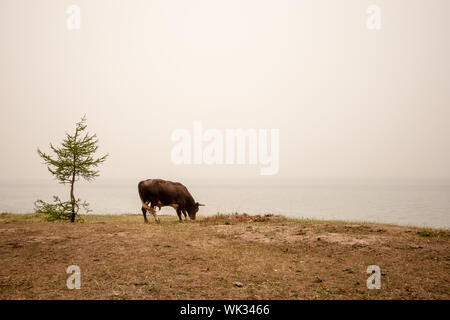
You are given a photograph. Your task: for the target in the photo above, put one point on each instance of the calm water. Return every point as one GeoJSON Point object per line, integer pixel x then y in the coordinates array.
{"type": "Point", "coordinates": [426, 205]}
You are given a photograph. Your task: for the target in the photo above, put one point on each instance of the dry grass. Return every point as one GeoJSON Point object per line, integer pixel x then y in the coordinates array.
{"type": "Point", "coordinates": [273, 257]}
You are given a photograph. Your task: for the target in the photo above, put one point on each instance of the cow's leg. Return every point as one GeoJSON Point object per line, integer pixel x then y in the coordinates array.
{"type": "Point", "coordinates": [146, 208]}
{"type": "Point", "coordinates": [179, 214]}
{"type": "Point", "coordinates": [153, 212]}
{"type": "Point", "coordinates": [178, 210]}
{"type": "Point", "coordinates": [144, 212]}
{"type": "Point", "coordinates": [184, 213]}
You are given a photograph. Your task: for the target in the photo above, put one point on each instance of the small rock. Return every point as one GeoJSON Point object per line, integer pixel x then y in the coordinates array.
{"type": "Point", "coordinates": [238, 284]}
{"type": "Point", "coordinates": [318, 280]}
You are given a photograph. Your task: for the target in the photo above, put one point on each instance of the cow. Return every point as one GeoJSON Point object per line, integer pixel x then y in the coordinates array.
{"type": "Point", "coordinates": [161, 193]}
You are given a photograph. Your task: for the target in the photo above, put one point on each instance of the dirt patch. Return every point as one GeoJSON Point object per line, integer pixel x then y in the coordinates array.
{"type": "Point", "coordinates": [344, 239]}
{"type": "Point", "coordinates": [221, 257]}
{"type": "Point", "coordinates": [291, 235]}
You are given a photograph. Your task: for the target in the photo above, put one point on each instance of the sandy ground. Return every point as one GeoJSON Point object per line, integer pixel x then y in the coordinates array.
{"type": "Point", "coordinates": [222, 257]}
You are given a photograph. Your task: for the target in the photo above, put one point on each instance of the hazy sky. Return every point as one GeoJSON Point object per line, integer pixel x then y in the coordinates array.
{"type": "Point", "coordinates": [349, 102]}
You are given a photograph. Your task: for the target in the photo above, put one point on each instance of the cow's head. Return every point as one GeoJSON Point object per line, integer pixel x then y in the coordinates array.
{"type": "Point", "coordinates": [194, 210]}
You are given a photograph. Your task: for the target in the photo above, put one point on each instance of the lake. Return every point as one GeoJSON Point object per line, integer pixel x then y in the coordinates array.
{"type": "Point", "coordinates": [417, 205]}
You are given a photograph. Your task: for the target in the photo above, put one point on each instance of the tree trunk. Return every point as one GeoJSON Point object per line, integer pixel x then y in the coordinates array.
{"type": "Point", "coordinates": [72, 198]}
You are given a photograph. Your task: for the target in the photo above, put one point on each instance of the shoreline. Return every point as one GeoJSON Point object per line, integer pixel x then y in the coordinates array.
{"type": "Point", "coordinates": [33, 215]}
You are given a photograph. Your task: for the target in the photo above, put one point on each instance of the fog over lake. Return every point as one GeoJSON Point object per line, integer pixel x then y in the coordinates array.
{"type": "Point", "coordinates": [427, 204]}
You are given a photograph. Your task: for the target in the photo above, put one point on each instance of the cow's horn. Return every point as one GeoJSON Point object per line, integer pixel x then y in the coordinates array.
{"type": "Point", "coordinates": [201, 205]}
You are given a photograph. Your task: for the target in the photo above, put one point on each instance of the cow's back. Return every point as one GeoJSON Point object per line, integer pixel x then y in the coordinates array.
{"type": "Point", "coordinates": [166, 192]}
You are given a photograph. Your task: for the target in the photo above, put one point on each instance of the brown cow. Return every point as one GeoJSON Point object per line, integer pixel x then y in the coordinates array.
{"type": "Point", "coordinates": [160, 193]}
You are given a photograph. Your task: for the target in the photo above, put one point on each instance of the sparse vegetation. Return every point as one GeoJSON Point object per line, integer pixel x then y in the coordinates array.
{"type": "Point", "coordinates": [219, 257]}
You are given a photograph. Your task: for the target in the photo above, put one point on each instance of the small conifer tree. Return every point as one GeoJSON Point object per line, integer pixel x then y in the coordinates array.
{"type": "Point", "coordinates": [73, 160]}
